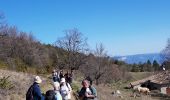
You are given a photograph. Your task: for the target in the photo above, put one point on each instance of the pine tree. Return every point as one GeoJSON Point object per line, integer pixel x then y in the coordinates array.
{"type": "Point", "coordinates": [135, 68]}
{"type": "Point", "coordinates": [149, 66]}
{"type": "Point", "coordinates": [155, 65]}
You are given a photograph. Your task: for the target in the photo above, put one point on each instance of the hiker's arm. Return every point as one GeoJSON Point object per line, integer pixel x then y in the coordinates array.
{"type": "Point", "coordinates": [38, 92]}
{"type": "Point", "coordinates": [89, 95]}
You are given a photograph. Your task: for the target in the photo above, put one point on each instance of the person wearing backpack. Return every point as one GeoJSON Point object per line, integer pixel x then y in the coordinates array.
{"type": "Point", "coordinates": [50, 95]}
{"type": "Point", "coordinates": [87, 92]}
{"type": "Point", "coordinates": [54, 94]}
{"type": "Point", "coordinates": [65, 89]}
{"type": "Point", "coordinates": [34, 92]}
{"type": "Point", "coordinates": [93, 89]}
{"type": "Point", "coordinates": [57, 91]}
{"type": "Point", "coordinates": [68, 78]}
{"type": "Point", "coordinates": [55, 76]}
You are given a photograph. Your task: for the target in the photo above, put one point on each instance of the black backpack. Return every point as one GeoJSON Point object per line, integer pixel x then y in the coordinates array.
{"type": "Point", "coordinates": [50, 95]}
{"type": "Point", "coordinates": [29, 95]}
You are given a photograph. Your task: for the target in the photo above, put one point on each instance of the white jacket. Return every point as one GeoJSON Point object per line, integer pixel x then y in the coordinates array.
{"type": "Point", "coordinates": [65, 91]}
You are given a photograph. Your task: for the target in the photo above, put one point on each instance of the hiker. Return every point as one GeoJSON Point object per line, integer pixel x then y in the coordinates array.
{"type": "Point", "coordinates": [61, 74]}
{"type": "Point", "coordinates": [66, 74]}
{"type": "Point", "coordinates": [55, 76]}
{"type": "Point", "coordinates": [54, 94]}
{"type": "Point", "coordinates": [34, 92]}
{"type": "Point", "coordinates": [94, 91]}
{"type": "Point", "coordinates": [57, 91]}
{"type": "Point", "coordinates": [86, 92]}
{"type": "Point", "coordinates": [71, 77]}
{"type": "Point", "coordinates": [68, 78]}
{"type": "Point", "coordinates": [50, 95]}
{"type": "Point", "coordinates": [65, 89]}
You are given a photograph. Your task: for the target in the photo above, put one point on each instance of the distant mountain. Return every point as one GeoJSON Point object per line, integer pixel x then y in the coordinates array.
{"type": "Point", "coordinates": [140, 58]}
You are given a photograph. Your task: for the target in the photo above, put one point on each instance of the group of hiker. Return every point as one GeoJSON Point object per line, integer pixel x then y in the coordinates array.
{"type": "Point", "coordinates": [62, 88]}
{"type": "Point", "coordinates": [58, 75]}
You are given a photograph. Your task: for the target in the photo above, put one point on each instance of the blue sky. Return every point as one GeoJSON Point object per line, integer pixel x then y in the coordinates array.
{"type": "Point", "coordinates": [125, 27]}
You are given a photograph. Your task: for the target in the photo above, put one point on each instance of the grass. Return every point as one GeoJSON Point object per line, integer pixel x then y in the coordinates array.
{"type": "Point", "coordinates": [104, 91]}
{"type": "Point", "coordinates": [23, 81]}
{"type": "Point", "coordinates": [5, 83]}
{"type": "Point", "coordinates": [139, 75]}
{"type": "Point", "coordinates": [76, 87]}
{"type": "Point", "coordinates": [20, 83]}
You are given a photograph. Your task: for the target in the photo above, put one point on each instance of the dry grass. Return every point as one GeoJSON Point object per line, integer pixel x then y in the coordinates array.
{"type": "Point", "coordinates": [22, 82]}
{"type": "Point", "coordinates": [140, 75]}
{"type": "Point", "coordinates": [104, 93]}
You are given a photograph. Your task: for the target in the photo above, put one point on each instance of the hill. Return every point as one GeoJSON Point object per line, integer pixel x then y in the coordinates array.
{"type": "Point", "coordinates": [140, 58]}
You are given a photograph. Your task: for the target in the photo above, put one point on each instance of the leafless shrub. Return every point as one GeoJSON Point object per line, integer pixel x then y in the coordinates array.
{"type": "Point", "coordinates": [101, 68]}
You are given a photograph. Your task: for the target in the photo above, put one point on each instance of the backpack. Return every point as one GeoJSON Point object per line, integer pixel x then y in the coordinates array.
{"type": "Point", "coordinates": [50, 95]}
{"type": "Point", "coordinates": [29, 94]}
{"type": "Point", "coordinates": [69, 88]}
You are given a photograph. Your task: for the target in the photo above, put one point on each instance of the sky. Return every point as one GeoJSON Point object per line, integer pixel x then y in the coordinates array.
{"type": "Point", "coordinates": [124, 27]}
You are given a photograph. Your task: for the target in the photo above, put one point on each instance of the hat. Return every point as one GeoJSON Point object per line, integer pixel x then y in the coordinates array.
{"type": "Point", "coordinates": [56, 85]}
{"type": "Point", "coordinates": [62, 80]}
{"type": "Point", "coordinates": [37, 79]}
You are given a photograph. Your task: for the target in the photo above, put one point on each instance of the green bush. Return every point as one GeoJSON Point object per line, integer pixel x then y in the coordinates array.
{"type": "Point", "coordinates": [75, 87]}
{"type": "Point", "coordinates": [5, 83]}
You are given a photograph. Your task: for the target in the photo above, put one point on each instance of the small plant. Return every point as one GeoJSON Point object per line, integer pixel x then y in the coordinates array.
{"type": "Point", "coordinates": [5, 83]}
{"type": "Point", "coordinates": [75, 87]}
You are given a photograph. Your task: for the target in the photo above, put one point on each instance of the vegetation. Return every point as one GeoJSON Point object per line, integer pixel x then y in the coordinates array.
{"type": "Point", "coordinates": [5, 83]}
{"type": "Point", "coordinates": [21, 51]}
{"type": "Point", "coordinates": [15, 86]}
{"type": "Point", "coordinates": [75, 47]}
{"type": "Point", "coordinates": [141, 67]}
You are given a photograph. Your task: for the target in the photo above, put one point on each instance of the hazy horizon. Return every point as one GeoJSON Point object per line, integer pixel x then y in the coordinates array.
{"type": "Point", "coordinates": [124, 27]}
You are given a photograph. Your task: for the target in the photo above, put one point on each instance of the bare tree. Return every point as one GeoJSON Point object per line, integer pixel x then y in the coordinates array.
{"type": "Point", "coordinates": [102, 62]}
{"type": "Point", "coordinates": [75, 47]}
{"type": "Point", "coordinates": [165, 54]}
{"type": "Point", "coordinates": [4, 43]}
{"type": "Point", "coordinates": [100, 67]}
{"type": "Point", "coordinates": [97, 64]}
{"type": "Point", "coordinates": [166, 51]}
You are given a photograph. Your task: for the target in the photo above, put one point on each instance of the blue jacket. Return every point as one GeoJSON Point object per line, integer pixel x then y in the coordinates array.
{"type": "Point", "coordinates": [37, 92]}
